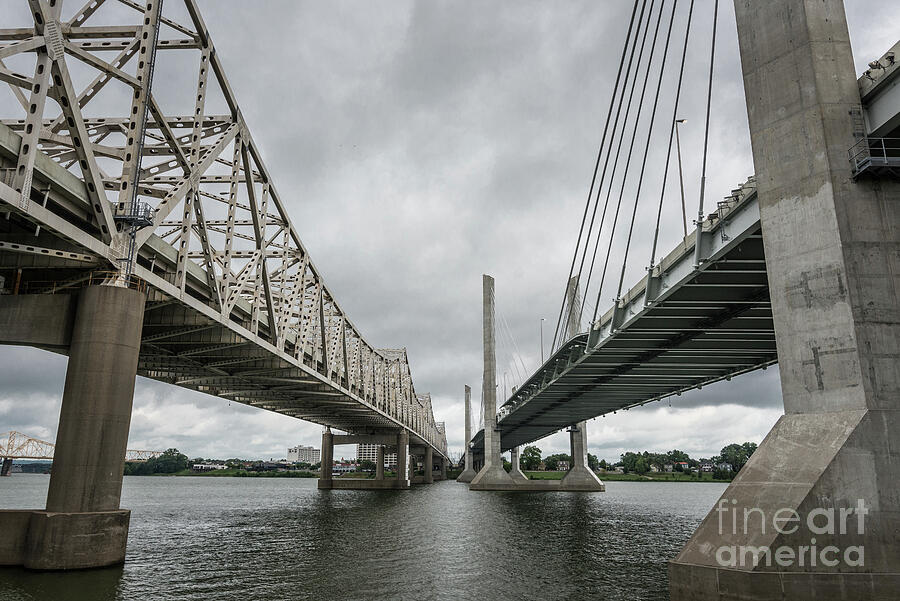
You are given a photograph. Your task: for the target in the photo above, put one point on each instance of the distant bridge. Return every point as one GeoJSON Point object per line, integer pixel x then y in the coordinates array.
{"type": "Point", "coordinates": [21, 446]}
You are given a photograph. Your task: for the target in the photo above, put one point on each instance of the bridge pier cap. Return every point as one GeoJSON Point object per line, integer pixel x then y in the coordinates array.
{"type": "Point", "coordinates": [831, 245]}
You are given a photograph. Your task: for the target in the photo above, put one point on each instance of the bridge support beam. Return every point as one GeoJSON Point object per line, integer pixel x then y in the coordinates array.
{"type": "Point", "coordinates": [83, 526]}
{"type": "Point", "coordinates": [492, 476]}
{"type": "Point", "coordinates": [7, 466]}
{"type": "Point", "coordinates": [831, 252]}
{"type": "Point", "coordinates": [516, 472]}
{"type": "Point", "coordinates": [469, 472]}
{"type": "Point", "coordinates": [580, 476]}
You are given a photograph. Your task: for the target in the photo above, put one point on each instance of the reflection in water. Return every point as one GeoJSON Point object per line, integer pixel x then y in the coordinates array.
{"type": "Point", "coordinates": [271, 539]}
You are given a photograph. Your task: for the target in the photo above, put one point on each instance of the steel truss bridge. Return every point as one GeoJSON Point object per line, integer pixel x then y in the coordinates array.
{"type": "Point", "coordinates": [235, 308]}
{"type": "Point", "coordinates": [15, 445]}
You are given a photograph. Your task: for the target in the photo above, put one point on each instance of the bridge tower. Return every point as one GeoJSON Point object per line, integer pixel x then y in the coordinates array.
{"type": "Point", "coordinates": [469, 472]}
{"type": "Point", "coordinates": [492, 476]}
{"type": "Point", "coordinates": [580, 476]}
{"type": "Point", "coordinates": [831, 251]}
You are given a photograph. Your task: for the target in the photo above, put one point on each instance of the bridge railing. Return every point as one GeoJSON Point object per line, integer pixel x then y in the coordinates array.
{"type": "Point", "coordinates": [876, 154]}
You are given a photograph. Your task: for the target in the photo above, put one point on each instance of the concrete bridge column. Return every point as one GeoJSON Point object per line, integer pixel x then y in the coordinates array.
{"type": "Point", "coordinates": [325, 477]}
{"type": "Point", "coordinates": [831, 248]}
{"type": "Point", "coordinates": [516, 471]}
{"type": "Point", "coordinates": [444, 461]}
{"type": "Point", "coordinates": [403, 480]}
{"type": "Point", "coordinates": [412, 467]}
{"type": "Point", "coordinates": [469, 472]}
{"type": "Point", "coordinates": [7, 466]}
{"type": "Point", "coordinates": [379, 462]}
{"type": "Point", "coordinates": [429, 465]}
{"type": "Point", "coordinates": [83, 525]}
{"type": "Point", "coordinates": [580, 476]}
{"type": "Point", "coordinates": [492, 476]}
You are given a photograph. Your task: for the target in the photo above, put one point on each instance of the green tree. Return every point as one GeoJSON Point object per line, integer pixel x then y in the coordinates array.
{"type": "Point", "coordinates": [169, 462]}
{"type": "Point", "coordinates": [530, 458]}
{"type": "Point", "coordinates": [738, 454]}
{"type": "Point", "coordinates": [593, 463]}
{"type": "Point", "coordinates": [603, 465]}
{"type": "Point", "coordinates": [507, 465]}
{"type": "Point", "coordinates": [367, 465]}
{"type": "Point", "coordinates": [642, 465]}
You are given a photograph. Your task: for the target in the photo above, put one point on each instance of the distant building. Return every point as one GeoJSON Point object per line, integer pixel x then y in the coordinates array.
{"type": "Point", "coordinates": [303, 454]}
{"type": "Point", "coordinates": [563, 466]}
{"type": "Point", "coordinates": [369, 452]}
{"type": "Point", "coordinates": [706, 467]}
{"type": "Point", "coordinates": [208, 467]}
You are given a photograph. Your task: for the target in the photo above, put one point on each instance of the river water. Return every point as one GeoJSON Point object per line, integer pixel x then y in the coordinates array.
{"type": "Point", "coordinates": [279, 539]}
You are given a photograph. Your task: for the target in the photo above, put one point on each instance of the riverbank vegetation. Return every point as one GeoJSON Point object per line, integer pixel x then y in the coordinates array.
{"type": "Point", "coordinates": [671, 466]}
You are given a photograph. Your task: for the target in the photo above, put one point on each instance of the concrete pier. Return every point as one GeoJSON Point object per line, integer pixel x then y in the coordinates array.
{"type": "Point", "coordinates": [516, 472]}
{"type": "Point", "coordinates": [429, 465]}
{"type": "Point", "coordinates": [326, 478]}
{"type": "Point", "coordinates": [6, 467]}
{"type": "Point", "coordinates": [831, 253]}
{"type": "Point", "coordinates": [380, 439]}
{"type": "Point", "coordinates": [580, 476]}
{"type": "Point", "coordinates": [492, 476]}
{"type": "Point", "coordinates": [468, 472]}
{"type": "Point", "coordinates": [379, 462]}
{"type": "Point", "coordinates": [83, 526]}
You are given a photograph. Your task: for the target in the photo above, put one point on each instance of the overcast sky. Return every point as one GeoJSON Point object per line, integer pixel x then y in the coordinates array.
{"type": "Point", "coordinates": [420, 145]}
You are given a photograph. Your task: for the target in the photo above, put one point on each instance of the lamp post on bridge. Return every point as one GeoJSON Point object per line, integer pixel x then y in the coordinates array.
{"type": "Point", "coordinates": [680, 174]}
{"type": "Point", "coordinates": [542, 340]}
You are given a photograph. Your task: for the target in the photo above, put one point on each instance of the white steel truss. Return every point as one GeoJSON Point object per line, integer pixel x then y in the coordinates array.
{"type": "Point", "coordinates": [221, 241]}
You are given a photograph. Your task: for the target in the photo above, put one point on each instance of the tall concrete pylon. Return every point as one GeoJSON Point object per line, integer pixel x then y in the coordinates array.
{"type": "Point", "coordinates": [492, 476]}
{"type": "Point", "coordinates": [580, 476]}
{"type": "Point", "coordinates": [831, 253]}
{"type": "Point", "coordinates": [469, 472]}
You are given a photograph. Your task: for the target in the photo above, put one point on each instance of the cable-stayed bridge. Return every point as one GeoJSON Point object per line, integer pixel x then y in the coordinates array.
{"type": "Point", "coordinates": [683, 326]}
{"type": "Point", "coordinates": [797, 266]}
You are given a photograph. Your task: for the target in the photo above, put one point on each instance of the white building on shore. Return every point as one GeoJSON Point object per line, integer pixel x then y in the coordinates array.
{"type": "Point", "coordinates": [369, 452]}
{"type": "Point", "coordinates": [303, 454]}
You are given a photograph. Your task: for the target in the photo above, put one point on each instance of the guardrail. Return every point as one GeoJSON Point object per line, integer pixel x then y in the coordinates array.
{"type": "Point", "coordinates": [875, 155]}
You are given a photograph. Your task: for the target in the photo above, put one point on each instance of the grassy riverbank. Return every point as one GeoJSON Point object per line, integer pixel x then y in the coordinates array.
{"type": "Point", "coordinates": [651, 477]}
{"type": "Point", "coordinates": [239, 473]}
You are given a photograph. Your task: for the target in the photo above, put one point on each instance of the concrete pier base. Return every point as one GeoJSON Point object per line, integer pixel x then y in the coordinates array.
{"type": "Point", "coordinates": [44, 540]}
{"type": "Point", "coordinates": [6, 467]}
{"type": "Point", "coordinates": [580, 477]}
{"type": "Point", "coordinates": [83, 526]}
{"type": "Point", "coordinates": [367, 484]}
{"type": "Point", "coordinates": [516, 472]}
